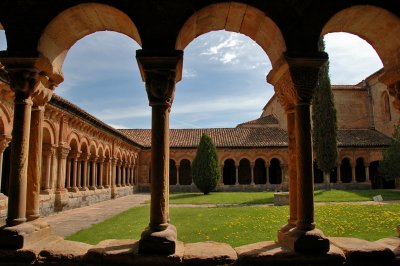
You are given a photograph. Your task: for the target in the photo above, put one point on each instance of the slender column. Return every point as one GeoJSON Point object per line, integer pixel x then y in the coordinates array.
{"type": "Point", "coordinates": [107, 179]}
{"type": "Point", "coordinates": [252, 173]}
{"type": "Point", "coordinates": [54, 168]}
{"type": "Point", "coordinates": [160, 74]}
{"type": "Point", "coordinates": [62, 163]}
{"type": "Point", "coordinates": [4, 141]}
{"type": "Point", "coordinates": [47, 175]}
{"type": "Point", "coordinates": [119, 173]}
{"type": "Point", "coordinates": [23, 83]}
{"type": "Point", "coordinates": [177, 175]}
{"type": "Point", "coordinates": [68, 174]}
{"type": "Point", "coordinates": [367, 179]}
{"type": "Point", "coordinates": [123, 169]}
{"type": "Point", "coordinates": [113, 177]}
{"type": "Point", "coordinates": [304, 74]}
{"type": "Point", "coordinates": [93, 173]}
{"type": "Point", "coordinates": [267, 174]}
{"type": "Point", "coordinates": [84, 164]}
{"type": "Point", "coordinates": [236, 174]}
{"type": "Point", "coordinates": [76, 171]}
{"type": "Point", "coordinates": [338, 174]}
{"type": "Point", "coordinates": [353, 173]}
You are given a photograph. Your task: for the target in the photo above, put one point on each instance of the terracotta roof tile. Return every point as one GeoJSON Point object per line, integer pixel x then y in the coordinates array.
{"type": "Point", "coordinates": [222, 137]}
{"type": "Point", "coordinates": [362, 138]}
{"type": "Point", "coordinates": [265, 120]}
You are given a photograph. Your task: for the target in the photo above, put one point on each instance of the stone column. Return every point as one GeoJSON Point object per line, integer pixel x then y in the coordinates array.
{"type": "Point", "coordinates": [353, 173]}
{"type": "Point", "coordinates": [100, 185]}
{"type": "Point", "coordinates": [23, 81]}
{"type": "Point", "coordinates": [76, 171]}
{"type": "Point", "coordinates": [4, 141]}
{"type": "Point", "coordinates": [338, 174]}
{"type": "Point", "coordinates": [305, 237]}
{"type": "Point", "coordinates": [107, 171]}
{"type": "Point", "coordinates": [68, 174]}
{"type": "Point", "coordinates": [160, 72]}
{"type": "Point", "coordinates": [267, 174]}
{"type": "Point", "coordinates": [367, 178]}
{"type": "Point", "coordinates": [62, 163]}
{"type": "Point", "coordinates": [252, 174]}
{"type": "Point", "coordinates": [113, 169]}
{"type": "Point", "coordinates": [84, 164]}
{"type": "Point", "coordinates": [236, 174]}
{"type": "Point", "coordinates": [123, 169]}
{"type": "Point", "coordinates": [47, 174]}
{"type": "Point", "coordinates": [93, 173]}
{"type": "Point", "coordinates": [177, 175]}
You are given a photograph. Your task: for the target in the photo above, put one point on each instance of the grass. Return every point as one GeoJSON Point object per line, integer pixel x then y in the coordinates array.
{"type": "Point", "coordinates": [243, 225]}
{"type": "Point", "coordinates": [268, 197]}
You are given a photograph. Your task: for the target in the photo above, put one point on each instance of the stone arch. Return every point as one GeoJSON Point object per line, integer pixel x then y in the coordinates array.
{"type": "Point", "coordinates": [50, 130]}
{"type": "Point", "coordinates": [229, 172]}
{"type": "Point", "coordinates": [77, 22]}
{"type": "Point", "coordinates": [235, 17]}
{"type": "Point", "coordinates": [74, 135]}
{"type": "Point", "coordinates": [84, 142]}
{"type": "Point", "coordinates": [360, 170]}
{"type": "Point", "coordinates": [244, 172]}
{"type": "Point", "coordinates": [275, 171]}
{"type": "Point", "coordinates": [5, 121]}
{"type": "Point", "coordinates": [260, 171]}
{"type": "Point", "coordinates": [379, 27]}
{"type": "Point", "coordinates": [185, 169]}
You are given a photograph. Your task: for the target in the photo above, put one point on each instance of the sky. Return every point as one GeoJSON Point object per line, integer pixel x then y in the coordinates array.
{"type": "Point", "coordinates": [223, 84]}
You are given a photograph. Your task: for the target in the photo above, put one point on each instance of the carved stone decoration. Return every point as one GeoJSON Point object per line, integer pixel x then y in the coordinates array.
{"type": "Point", "coordinates": [304, 74]}
{"type": "Point", "coordinates": [160, 71]}
{"type": "Point", "coordinates": [160, 87]}
{"type": "Point", "coordinates": [285, 91]}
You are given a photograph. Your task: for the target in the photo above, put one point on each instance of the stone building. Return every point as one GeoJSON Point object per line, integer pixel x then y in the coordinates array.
{"type": "Point", "coordinates": [81, 152]}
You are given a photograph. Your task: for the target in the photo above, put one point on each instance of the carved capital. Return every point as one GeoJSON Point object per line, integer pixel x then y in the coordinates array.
{"type": "Point", "coordinates": [285, 92]}
{"type": "Point", "coordinates": [63, 152]}
{"type": "Point", "coordinates": [30, 77]}
{"type": "Point", "coordinates": [304, 73]}
{"type": "Point", "coordinates": [160, 71]}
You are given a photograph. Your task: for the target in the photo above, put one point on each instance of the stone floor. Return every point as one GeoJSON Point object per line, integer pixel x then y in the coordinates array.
{"type": "Point", "coordinates": [54, 250]}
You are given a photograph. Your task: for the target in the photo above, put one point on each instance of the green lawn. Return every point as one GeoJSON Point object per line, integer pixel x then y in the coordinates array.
{"type": "Point", "coordinates": [243, 225]}
{"type": "Point", "coordinates": [268, 197]}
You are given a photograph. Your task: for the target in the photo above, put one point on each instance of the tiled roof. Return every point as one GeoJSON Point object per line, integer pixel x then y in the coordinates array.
{"type": "Point", "coordinates": [222, 137]}
{"type": "Point", "coordinates": [347, 87]}
{"type": "Point", "coordinates": [265, 120]}
{"type": "Point", "coordinates": [248, 137]}
{"type": "Point", "coordinates": [362, 138]}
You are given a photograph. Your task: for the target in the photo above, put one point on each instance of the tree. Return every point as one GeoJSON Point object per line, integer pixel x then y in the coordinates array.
{"type": "Point", "coordinates": [205, 169]}
{"type": "Point", "coordinates": [389, 167]}
{"type": "Point", "coordinates": [325, 122]}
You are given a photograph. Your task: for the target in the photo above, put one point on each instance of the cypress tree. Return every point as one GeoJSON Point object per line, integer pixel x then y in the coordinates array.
{"type": "Point", "coordinates": [205, 169]}
{"type": "Point", "coordinates": [325, 122]}
{"type": "Point", "coordinates": [389, 167]}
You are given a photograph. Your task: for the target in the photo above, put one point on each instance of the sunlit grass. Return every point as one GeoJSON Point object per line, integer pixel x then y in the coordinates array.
{"type": "Point", "coordinates": [243, 225]}
{"type": "Point", "coordinates": [268, 197]}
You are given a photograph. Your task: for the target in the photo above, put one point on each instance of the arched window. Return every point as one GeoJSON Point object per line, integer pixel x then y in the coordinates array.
{"type": "Point", "coordinates": [244, 172]}
{"type": "Point", "coordinates": [345, 171]}
{"type": "Point", "coordinates": [275, 172]}
{"type": "Point", "coordinates": [229, 173]}
{"type": "Point", "coordinates": [185, 169]}
{"type": "Point", "coordinates": [318, 174]}
{"type": "Point", "coordinates": [172, 172]}
{"type": "Point", "coordinates": [386, 107]}
{"type": "Point", "coordinates": [260, 172]}
{"type": "Point", "coordinates": [360, 170]}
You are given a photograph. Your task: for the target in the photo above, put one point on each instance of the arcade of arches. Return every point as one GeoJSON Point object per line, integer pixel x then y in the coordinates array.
{"type": "Point", "coordinates": [62, 157]}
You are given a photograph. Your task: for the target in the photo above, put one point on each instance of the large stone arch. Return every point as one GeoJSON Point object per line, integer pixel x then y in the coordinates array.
{"type": "Point", "coordinates": [77, 22]}
{"type": "Point", "coordinates": [380, 28]}
{"type": "Point", "coordinates": [51, 129]}
{"type": "Point", "coordinates": [235, 17]}
{"type": "Point", "coordinates": [377, 26]}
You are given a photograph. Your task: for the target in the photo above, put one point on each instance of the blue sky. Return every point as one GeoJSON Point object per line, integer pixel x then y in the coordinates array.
{"type": "Point", "coordinates": [223, 78]}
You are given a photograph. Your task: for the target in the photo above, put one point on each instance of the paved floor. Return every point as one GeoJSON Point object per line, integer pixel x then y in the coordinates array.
{"type": "Point", "coordinates": [68, 222]}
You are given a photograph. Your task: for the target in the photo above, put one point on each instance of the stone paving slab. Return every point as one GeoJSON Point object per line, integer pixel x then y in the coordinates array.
{"type": "Point", "coordinates": [70, 221]}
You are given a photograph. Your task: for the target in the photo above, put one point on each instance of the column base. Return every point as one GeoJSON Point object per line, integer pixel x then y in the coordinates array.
{"type": "Point", "coordinates": [158, 242]}
{"type": "Point", "coordinates": [22, 235]}
{"type": "Point", "coordinates": [83, 189]}
{"type": "Point", "coordinates": [312, 241]}
{"type": "Point", "coordinates": [73, 189]}
{"type": "Point", "coordinates": [93, 188]}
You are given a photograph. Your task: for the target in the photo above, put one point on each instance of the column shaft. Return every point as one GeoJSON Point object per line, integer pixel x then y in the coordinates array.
{"type": "Point", "coordinates": [35, 163]}
{"type": "Point", "coordinates": [19, 158]}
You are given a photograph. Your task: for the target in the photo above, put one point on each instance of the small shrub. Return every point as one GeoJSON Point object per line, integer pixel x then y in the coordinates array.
{"type": "Point", "coordinates": [205, 169]}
